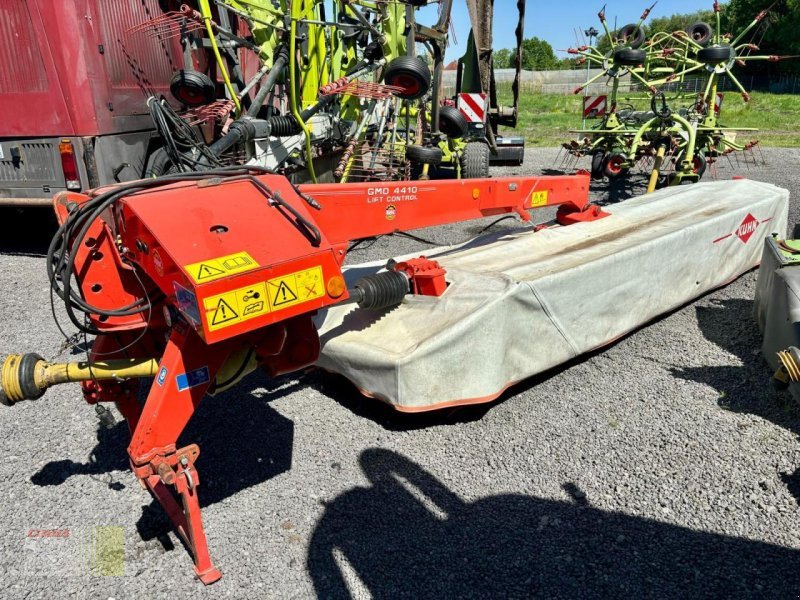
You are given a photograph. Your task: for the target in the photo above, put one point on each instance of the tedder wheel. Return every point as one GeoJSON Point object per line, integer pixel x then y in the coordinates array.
{"type": "Point", "coordinates": [699, 163]}
{"type": "Point", "coordinates": [452, 123]}
{"type": "Point", "coordinates": [631, 35]}
{"type": "Point", "coordinates": [475, 161]}
{"type": "Point", "coordinates": [700, 32]}
{"type": "Point", "coordinates": [629, 57]}
{"type": "Point", "coordinates": [423, 154]}
{"type": "Point", "coordinates": [192, 88]}
{"type": "Point", "coordinates": [410, 73]}
{"type": "Point", "coordinates": [614, 165]}
{"type": "Point", "coordinates": [598, 157]}
{"type": "Point", "coordinates": [713, 55]}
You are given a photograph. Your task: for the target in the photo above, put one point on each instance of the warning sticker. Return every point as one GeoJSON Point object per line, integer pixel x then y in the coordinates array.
{"type": "Point", "coordinates": [539, 198]}
{"type": "Point", "coordinates": [224, 310]}
{"type": "Point", "coordinates": [215, 268]}
{"type": "Point", "coordinates": [296, 288]}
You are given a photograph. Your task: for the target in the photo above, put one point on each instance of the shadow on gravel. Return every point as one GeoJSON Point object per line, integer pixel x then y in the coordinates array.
{"type": "Point", "coordinates": [408, 535]}
{"type": "Point", "coordinates": [230, 430]}
{"type": "Point", "coordinates": [26, 231]}
{"type": "Point", "coordinates": [729, 324]}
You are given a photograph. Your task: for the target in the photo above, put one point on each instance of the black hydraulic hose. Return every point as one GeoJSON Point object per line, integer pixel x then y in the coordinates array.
{"type": "Point", "coordinates": [272, 77]}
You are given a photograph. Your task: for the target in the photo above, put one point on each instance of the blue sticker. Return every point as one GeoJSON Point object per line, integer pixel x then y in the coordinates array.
{"type": "Point", "coordinates": [187, 303]}
{"type": "Point", "coordinates": [192, 379]}
{"type": "Point", "coordinates": [162, 376]}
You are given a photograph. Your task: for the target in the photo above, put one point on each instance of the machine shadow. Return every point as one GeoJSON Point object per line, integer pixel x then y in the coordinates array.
{"type": "Point", "coordinates": [224, 427]}
{"type": "Point", "coordinates": [26, 231]}
{"type": "Point", "coordinates": [729, 324]}
{"type": "Point", "coordinates": [516, 545]}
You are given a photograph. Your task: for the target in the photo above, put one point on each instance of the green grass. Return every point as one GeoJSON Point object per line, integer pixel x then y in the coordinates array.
{"type": "Point", "coordinates": [545, 119]}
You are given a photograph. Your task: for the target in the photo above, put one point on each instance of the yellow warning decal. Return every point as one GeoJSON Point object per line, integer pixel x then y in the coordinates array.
{"type": "Point", "coordinates": [216, 268]}
{"type": "Point", "coordinates": [295, 288]}
{"type": "Point", "coordinates": [539, 198]}
{"type": "Point", "coordinates": [224, 310]}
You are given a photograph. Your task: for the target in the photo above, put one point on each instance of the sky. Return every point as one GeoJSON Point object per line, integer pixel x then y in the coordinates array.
{"type": "Point", "coordinates": [555, 21]}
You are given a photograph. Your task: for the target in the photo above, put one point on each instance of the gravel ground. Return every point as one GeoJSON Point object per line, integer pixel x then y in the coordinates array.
{"type": "Point", "coordinates": [663, 466]}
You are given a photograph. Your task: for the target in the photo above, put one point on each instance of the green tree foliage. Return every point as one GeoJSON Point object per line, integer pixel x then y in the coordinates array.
{"type": "Point", "coordinates": [538, 55]}
{"type": "Point", "coordinates": [503, 59]}
{"type": "Point", "coordinates": [777, 34]}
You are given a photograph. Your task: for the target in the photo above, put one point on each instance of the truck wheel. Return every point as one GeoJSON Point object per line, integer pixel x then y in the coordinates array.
{"type": "Point", "coordinates": [192, 88]}
{"type": "Point", "coordinates": [631, 35]}
{"type": "Point", "coordinates": [425, 155]}
{"type": "Point", "coordinates": [475, 161]}
{"type": "Point", "coordinates": [700, 32]}
{"type": "Point", "coordinates": [452, 123]}
{"type": "Point", "coordinates": [598, 158]}
{"type": "Point", "coordinates": [411, 74]}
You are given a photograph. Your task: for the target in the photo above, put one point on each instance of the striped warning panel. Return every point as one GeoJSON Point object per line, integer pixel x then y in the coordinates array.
{"type": "Point", "coordinates": [718, 102]}
{"type": "Point", "coordinates": [594, 106]}
{"type": "Point", "coordinates": [473, 107]}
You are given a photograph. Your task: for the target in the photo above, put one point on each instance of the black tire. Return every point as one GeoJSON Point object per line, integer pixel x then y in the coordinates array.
{"type": "Point", "coordinates": [424, 154]}
{"type": "Point", "coordinates": [700, 32]}
{"type": "Point", "coordinates": [452, 123]}
{"type": "Point", "coordinates": [713, 55]}
{"type": "Point", "coordinates": [598, 160]}
{"type": "Point", "coordinates": [192, 88]}
{"type": "Point", "coordinates": [629, 57]}
{"type": "Point", "coordinates": [700, 163]}
{"type": "Point", "coordinates": [475, 161]}
{"type": "Point", "coordinates": [631, 35]}
{"type": "Point", "coordinates": [612, 165]}
{"type": "Point", "coordinates": [410, 73]}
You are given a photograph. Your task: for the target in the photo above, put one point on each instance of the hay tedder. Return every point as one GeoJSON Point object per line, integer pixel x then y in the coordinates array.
{"type": "Point", "coordinates": [328, 97]}
{"type": "Point", "coordinates": [675, 144]}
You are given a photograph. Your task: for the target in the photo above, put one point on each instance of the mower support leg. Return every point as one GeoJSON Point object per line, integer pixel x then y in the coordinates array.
{"type": "Point", "coordinates": [186, 370]}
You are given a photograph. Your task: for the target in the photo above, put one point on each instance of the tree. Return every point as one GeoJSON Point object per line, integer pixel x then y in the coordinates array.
{"type": "Point", "coordinates": [538, 55]}
{"type": "Point", "coordinates": [503, 59]}
{"type": "Point", "coordinates": [777, 33]}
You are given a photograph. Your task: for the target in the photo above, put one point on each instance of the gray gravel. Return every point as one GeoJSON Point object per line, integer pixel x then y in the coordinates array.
{"type": "Point", "coordinates": [662, 466]}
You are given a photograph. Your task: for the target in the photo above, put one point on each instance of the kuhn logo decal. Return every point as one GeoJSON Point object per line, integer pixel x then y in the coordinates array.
{"type": "Point", "coordinates": [745, 230]}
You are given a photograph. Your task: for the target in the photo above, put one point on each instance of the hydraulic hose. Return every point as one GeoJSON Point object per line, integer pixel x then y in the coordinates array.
{"type": "Point", "coordinates": [277, 67]}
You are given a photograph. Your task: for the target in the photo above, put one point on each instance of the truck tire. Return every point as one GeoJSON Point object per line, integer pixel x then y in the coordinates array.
{"type": "Point", "coordinates": [631, 35]}
{"type": "Point", "coordinates": [411, 74]}
{"type": "Point", "coordinates": [475, 161]}
{"type": "Point", "coordinates": [700, 32]}
{"type": "Point", "coordinates": [424, 154]}
{"type": "Point", "coordinates": [452, 123]}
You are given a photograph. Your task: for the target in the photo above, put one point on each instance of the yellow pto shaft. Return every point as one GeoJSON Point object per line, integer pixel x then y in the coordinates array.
{"type": "Point", "coordinates": [27, 376]}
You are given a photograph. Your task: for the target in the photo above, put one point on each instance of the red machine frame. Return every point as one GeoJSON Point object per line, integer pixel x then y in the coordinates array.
{"type": "Point", "coordinates": [275, 238]}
